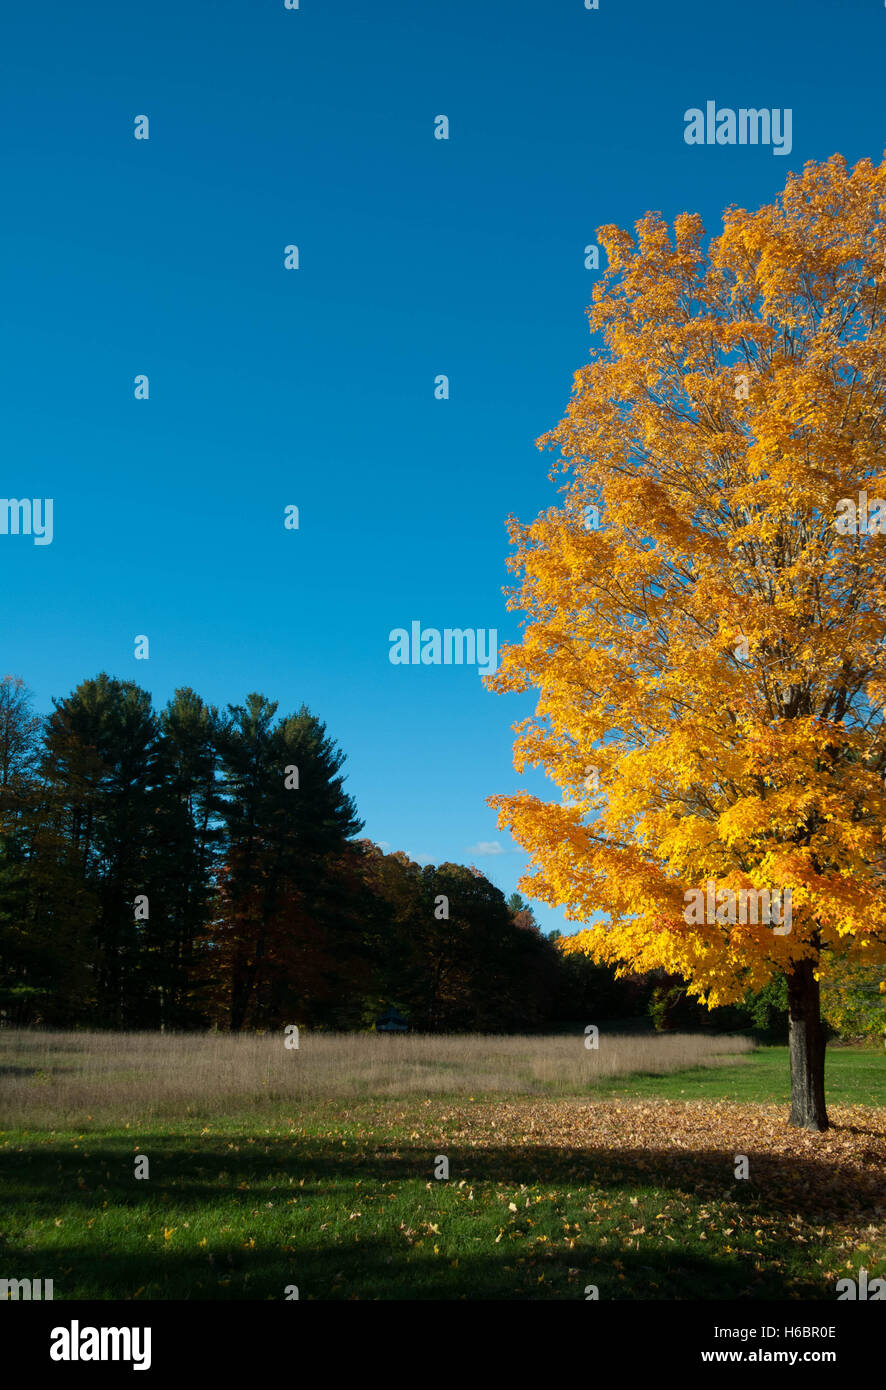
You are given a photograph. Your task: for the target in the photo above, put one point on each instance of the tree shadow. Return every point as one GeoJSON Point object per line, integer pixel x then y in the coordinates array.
{"type": "Point", "coordinates": [192, 1177]}
{"type": "Point", "coordinates": [373, 1270]}
{"type": "Point", "coordinates": [779, 1183]}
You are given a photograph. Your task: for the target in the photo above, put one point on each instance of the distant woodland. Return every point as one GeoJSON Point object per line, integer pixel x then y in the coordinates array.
{"type": "Point", "coordinates": [186, 868]}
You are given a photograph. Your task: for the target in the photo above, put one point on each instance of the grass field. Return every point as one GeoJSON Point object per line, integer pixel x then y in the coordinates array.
{"type": "Point", "coordinates": [316, 1168]}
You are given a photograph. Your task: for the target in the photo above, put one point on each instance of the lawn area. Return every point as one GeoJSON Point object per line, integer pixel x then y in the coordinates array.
{"type": "Point", "coordinates": [628, 1186]}
{"type": "Point", "coordinates": [854, 1076]}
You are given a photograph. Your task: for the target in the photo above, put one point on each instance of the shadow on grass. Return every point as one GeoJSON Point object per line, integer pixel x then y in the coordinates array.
{"type": "Point", "coordinates": [41, 1177]}
{"type": "Point", "coordinates": [373, 1269]}
{"type": "Point", "coordinates": [204, 1181]}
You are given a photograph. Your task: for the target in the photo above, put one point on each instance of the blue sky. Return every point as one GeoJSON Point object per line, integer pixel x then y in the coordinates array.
{"type": "Point", "coordinates": [315, 387]}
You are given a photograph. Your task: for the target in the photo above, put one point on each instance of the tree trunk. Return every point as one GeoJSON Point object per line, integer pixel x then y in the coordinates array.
{"type": "Point", "coordinates": [807, 1044]}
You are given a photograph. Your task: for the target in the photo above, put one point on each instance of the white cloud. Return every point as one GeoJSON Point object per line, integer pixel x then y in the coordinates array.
{"type": "Point", "coordinates": [485, 847]}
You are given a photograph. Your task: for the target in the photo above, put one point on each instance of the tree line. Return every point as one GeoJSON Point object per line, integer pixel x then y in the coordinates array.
{"type": "Point", "coordinates": [188, 867]}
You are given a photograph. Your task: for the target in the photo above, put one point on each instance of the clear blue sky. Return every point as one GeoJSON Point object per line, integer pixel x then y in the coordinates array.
{"type": "Point", "coordinates": [315, 387]}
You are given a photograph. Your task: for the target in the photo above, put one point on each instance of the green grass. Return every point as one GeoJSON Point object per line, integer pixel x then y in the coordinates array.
{"type": "Point", "coordinates": [853, 1075]}
{"type": "Point", "coordinates": [339, 1199]}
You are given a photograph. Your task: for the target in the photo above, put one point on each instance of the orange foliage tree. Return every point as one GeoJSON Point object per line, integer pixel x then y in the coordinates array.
{"type": "Point", "coordinates": [705, 612]}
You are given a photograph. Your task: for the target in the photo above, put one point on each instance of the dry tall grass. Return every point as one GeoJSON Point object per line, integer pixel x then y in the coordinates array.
{"type": "Point", "coordinates": [55, 1080]}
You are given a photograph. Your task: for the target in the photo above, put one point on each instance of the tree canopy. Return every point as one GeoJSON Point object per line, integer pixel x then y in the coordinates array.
{"type": "Point", "coordinates": [705, 630]}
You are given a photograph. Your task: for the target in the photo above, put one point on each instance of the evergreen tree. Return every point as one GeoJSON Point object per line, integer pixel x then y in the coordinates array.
{"type": "Point", "coordinates": [285, 811]}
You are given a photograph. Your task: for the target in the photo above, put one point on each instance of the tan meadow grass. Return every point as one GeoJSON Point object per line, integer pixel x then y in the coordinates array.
{"type": "Point", "coordinates": [57, 1080]}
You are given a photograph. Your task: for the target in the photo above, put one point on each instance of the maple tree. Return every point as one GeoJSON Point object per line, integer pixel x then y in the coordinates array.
{"type": "Point", "coordinates": [703, 628]}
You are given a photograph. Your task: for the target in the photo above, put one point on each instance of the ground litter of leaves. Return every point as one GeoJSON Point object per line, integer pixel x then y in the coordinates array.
{"type": "Point", "coordinates": [802, 1188]}
{"type": "Point", "coordinates": [543, 1199]}
{"type": "Point", "coordinates": [841, 1167]}
{"type": "Point", "coordinates": [848, 1157]}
